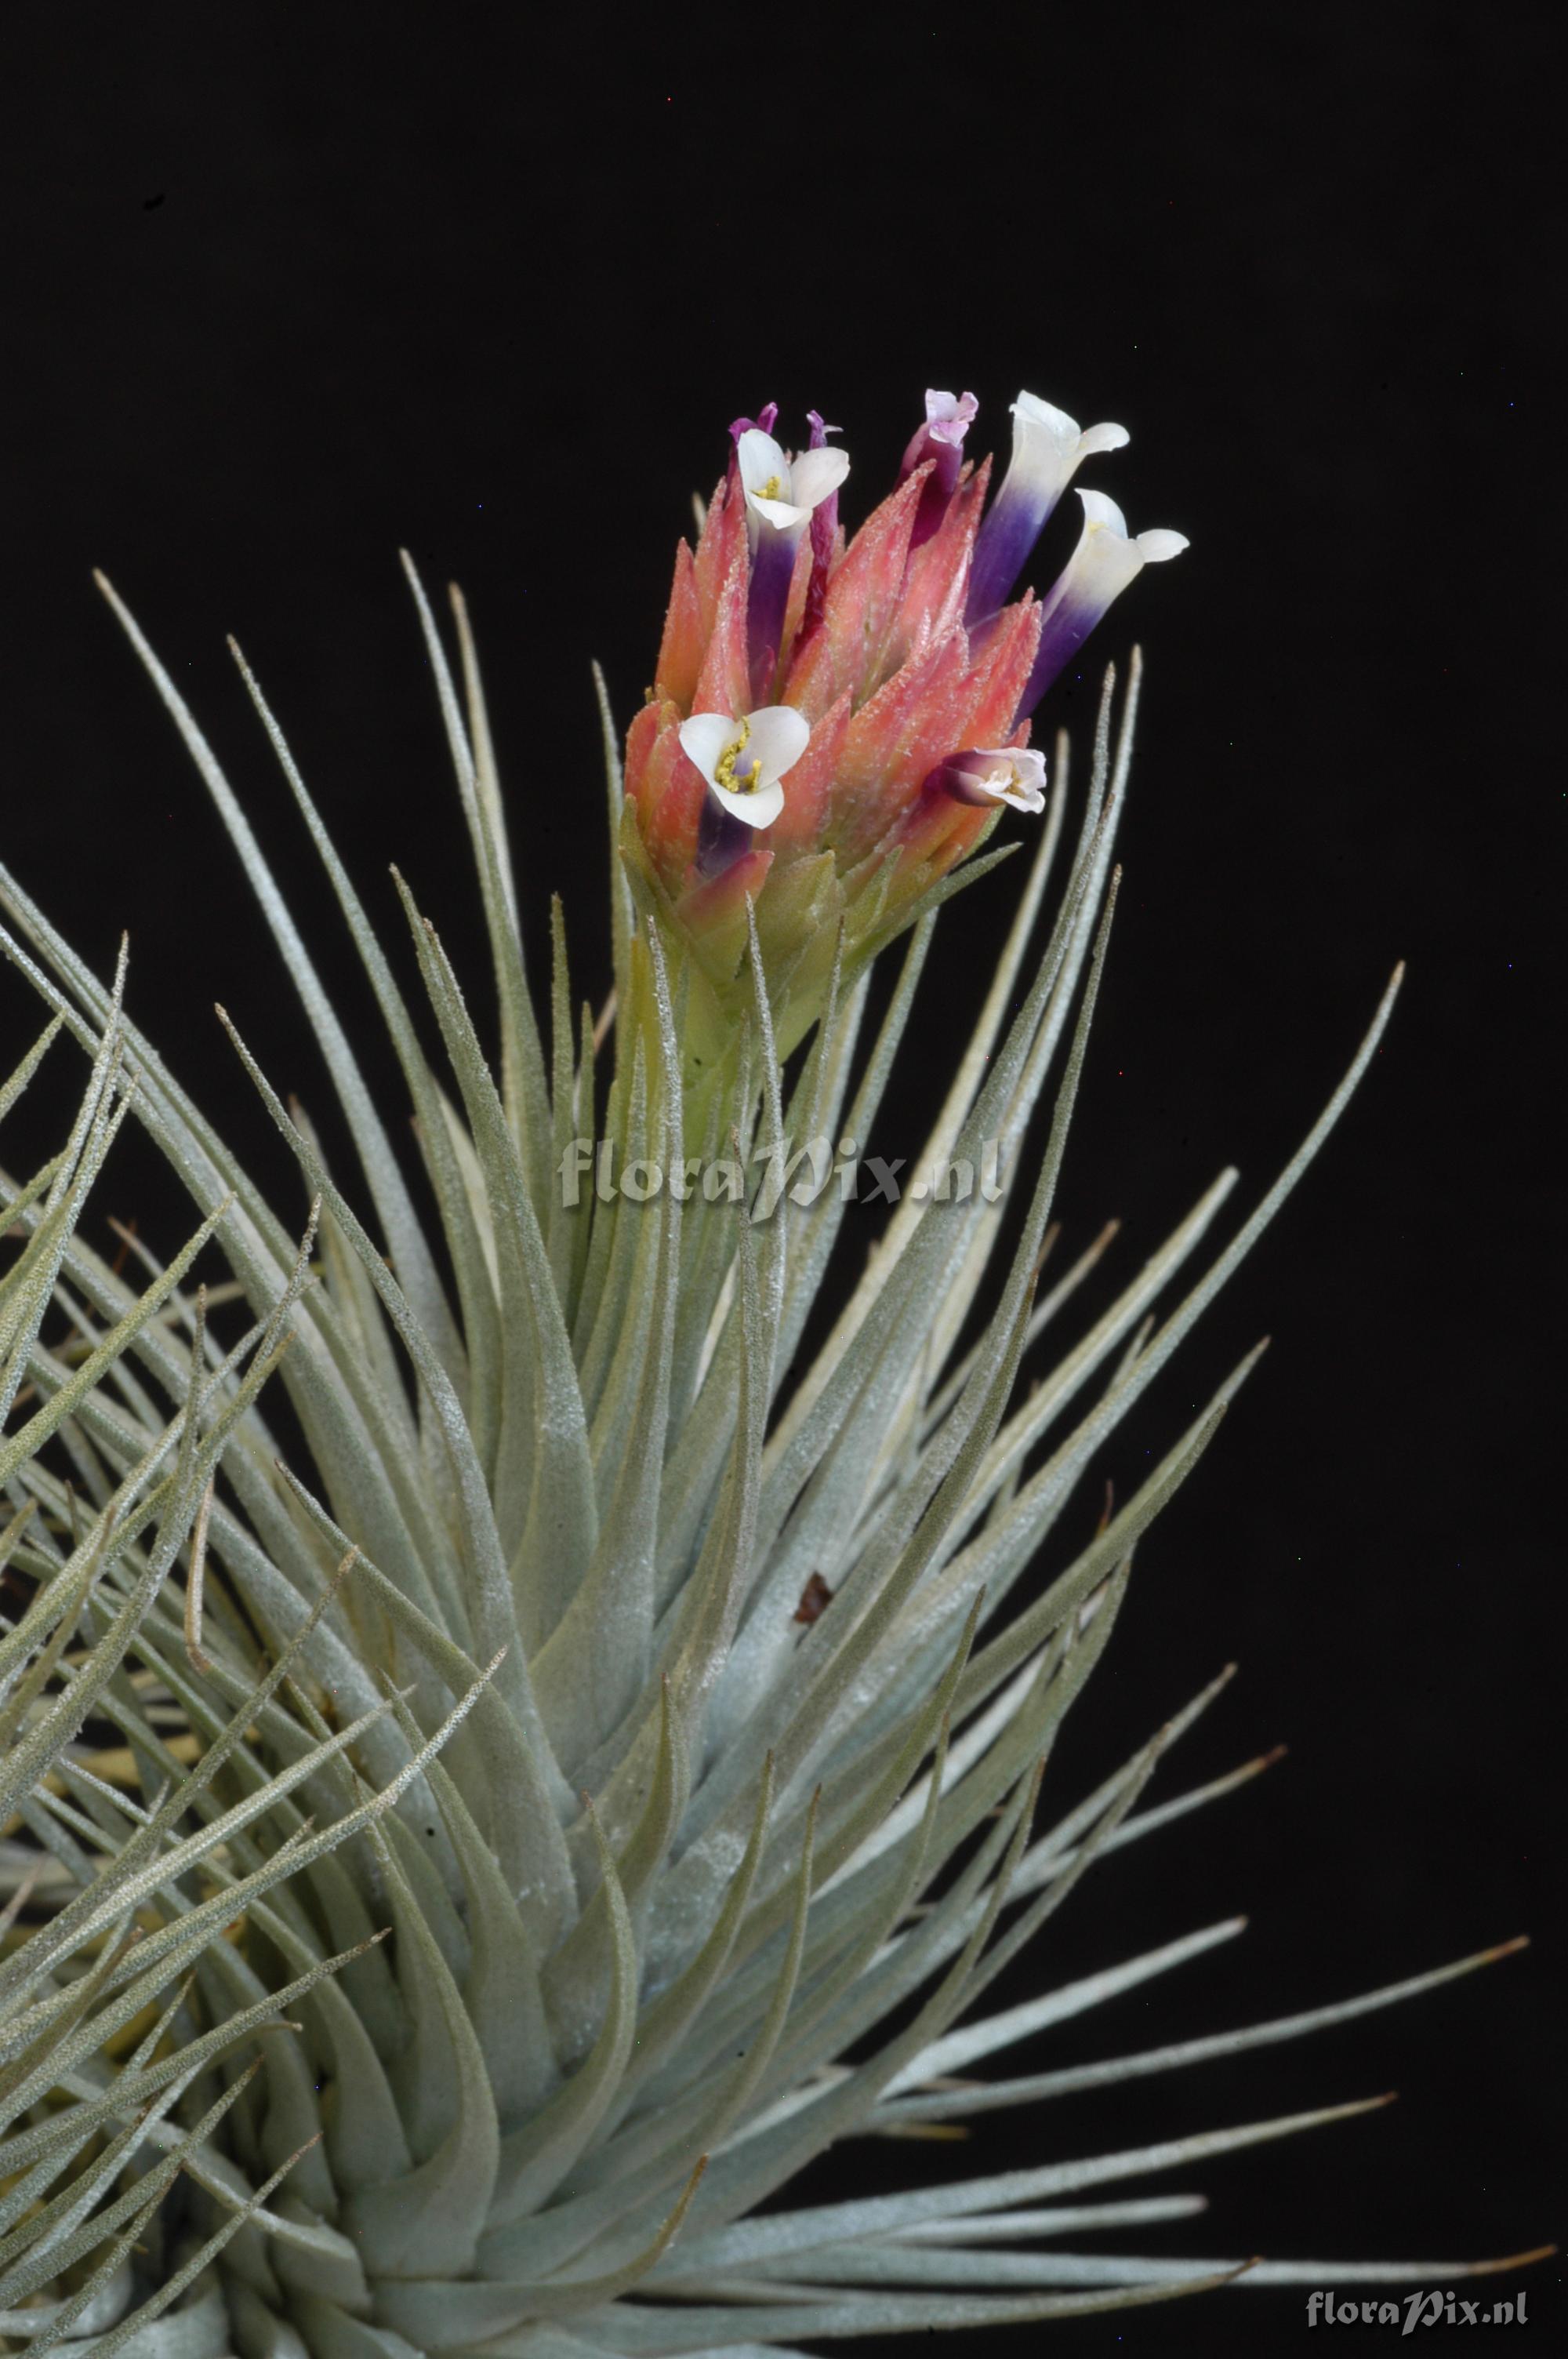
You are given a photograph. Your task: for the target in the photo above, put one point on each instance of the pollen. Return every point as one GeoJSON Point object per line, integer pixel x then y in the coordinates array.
{"type": "Point", "coordinates": [724, 771]}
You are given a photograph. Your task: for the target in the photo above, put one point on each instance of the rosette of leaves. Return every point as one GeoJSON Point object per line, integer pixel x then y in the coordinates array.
{"type": "Point", "coordinates": [458, 1869]}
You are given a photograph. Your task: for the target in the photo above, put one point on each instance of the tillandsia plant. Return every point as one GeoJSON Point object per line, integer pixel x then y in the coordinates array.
{"type": "Point", "coordinates": [459, 1869]}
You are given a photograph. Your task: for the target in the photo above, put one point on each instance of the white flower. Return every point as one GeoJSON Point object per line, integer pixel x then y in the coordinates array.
{"type": "Point", "coordinates": [1014, 775]}
{"type": "Point", "coordinates": [743, 760]}
{"type": "Point", "coordinates": [782, 492]}
{"type": "Point", "coordinates": [1048, 449]}
{"type": "Point", "coordinates": [1048, 446]}
{"type": "Point", "coordinates": [1105, 560]}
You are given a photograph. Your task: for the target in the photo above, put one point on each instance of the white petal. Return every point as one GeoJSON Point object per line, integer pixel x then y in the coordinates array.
{"type": "Point", "coordinates": [778, 739]}
{"type": "Point", "coordinates": [816, 476]}
{"type": "Point", "coordinates": [758, 809]}
{"type": "Point", "coordinates": [1101, 566]}
{"type": "Point", "coordinates": [1008, 774]}
{"type": "Point", "coordinates": [1099, 510]}
{"type": "Point", "coordinates": [761, 458]}
{"type": "Point", "coordinates": [1047, 448]}
{"type": "Point", "coordinates": [781, 514]}
{"type": "Point", "coordinates": [1041, 417]}
{"type": "Point", "coordinates": [704, 737]}
{"type": "Point", "coordinates": [1012, 775]}
{"type": "Point", "coordinates": [1029, 776]}
{"type": "Point", "coordinates": [1154, 547]}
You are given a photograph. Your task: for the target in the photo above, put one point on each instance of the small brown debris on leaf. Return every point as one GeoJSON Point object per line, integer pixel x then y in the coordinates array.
{"type": "Point", "coordinates": [813, 1598]}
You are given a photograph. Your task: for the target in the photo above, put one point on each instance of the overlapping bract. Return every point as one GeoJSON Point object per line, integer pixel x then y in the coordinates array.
{"type": "Point", "coordinates": [567, 1490]}
{"type": "Point", "coordinates": [878, 645]}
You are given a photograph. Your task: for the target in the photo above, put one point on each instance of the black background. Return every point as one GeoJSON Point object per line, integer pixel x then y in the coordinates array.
{"type": "Point", "coordinates": [286, 287]}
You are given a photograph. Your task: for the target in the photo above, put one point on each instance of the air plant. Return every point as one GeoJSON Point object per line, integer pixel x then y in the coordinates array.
{"type": "Point", "coordinates": [461, 1865]}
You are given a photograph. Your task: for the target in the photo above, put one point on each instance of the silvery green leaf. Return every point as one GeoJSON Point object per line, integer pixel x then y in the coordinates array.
{"type": "Point", "coordinates": [624, 1711]}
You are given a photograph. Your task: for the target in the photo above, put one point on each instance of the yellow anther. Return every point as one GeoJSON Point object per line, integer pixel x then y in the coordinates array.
{"type": "Point", "coordinates": [724, 768]}
{"type": "Point", "coordinates": [768, 491]}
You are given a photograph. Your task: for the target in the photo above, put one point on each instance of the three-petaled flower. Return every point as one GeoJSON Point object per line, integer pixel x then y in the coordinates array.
{"type": "Point", "coordinates": [744, 759]}
{"type": "Point", "coordinates": [1014, 775]}
{"type": "Point", "coordinates": [782, 492]}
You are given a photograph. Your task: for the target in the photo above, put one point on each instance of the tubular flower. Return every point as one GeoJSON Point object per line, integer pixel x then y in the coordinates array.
{"type": "Point", "coordinates": [948, 417]}
{"type": "Point", "coordinates": [1048, 449]}
{"type": "Point", "coordinates": [1105, 560]}
{"type": "Point", "coordinates": [836, 724]}
{"type": "Point", "coordinates": [823, 533]}
{"type": "Point", "coordinates": [782, 497]}
{"type": "Point", "coordinates": [1014, 775]}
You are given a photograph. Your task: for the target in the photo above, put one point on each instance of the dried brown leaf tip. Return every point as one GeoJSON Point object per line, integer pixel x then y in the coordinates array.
{"type": "Point", "coordinates": [813, 1598]}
